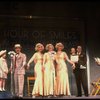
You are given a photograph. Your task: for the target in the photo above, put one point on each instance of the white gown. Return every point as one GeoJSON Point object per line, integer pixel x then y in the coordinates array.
{"type": "Point", "coordinates": [62, 75]}
{"type": "Point", "coordinates": [38, 85]}
{"type": "Point", "coordinates": [49, 74]}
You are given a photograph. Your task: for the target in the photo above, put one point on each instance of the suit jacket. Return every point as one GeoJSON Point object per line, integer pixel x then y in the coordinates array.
{"type": "Point", "coordinates": [82, 59]}
{"type": "Point", "coordinates": [19, 62]}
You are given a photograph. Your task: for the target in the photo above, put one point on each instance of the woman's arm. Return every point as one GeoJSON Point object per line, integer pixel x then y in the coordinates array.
{"type": "Point", "coordinates": [66, 58]}
{"type": "Point", "coordinates": [31, 60]}
{"type": "Point", "coordinates": [44, 59]}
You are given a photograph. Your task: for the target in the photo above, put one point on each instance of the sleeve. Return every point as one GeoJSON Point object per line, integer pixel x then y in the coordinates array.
{"type": "Point", "coordinates": [82, 59]}
{"type": "Point", "coordinates": [32, 59]}
{"type": "Point", "coordinates": [1, 65]}
{"type": "Point", "coordinates": [24, 60]}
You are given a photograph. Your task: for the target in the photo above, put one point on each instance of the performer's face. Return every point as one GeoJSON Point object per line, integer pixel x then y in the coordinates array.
{"type": "Point", "coordinates": [18, 50]}
{"type": "Point", "coordinates": [40, 48]}
{"type": "Point", "coordinates": [79, 49]}
{"type": "Point", "coordinates": [73, 50]}
{"type": "Point", "coordinates": [50, 48]}
{"type": "Point", "coordinates": [60, 48]}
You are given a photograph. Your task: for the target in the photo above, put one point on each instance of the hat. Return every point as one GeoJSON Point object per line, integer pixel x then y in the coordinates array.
{"type": "Point", "coordinates": [17, 46]}
{"type": "Point", "coordinates": [2, 52]}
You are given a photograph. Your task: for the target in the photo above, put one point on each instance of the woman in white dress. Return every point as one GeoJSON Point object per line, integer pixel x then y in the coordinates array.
{"type": "Point", "coordinates": [62, 71]}
{"type": "Point", "coordinates": [3, 70]}
{"type": "Point", "coordinates": [49, 70]}
{"type": "Point", "coordinates": [38, 61]}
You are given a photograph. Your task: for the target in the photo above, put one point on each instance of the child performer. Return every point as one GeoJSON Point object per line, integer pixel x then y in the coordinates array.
{"type": "Point", "coordinates": [3, 70]}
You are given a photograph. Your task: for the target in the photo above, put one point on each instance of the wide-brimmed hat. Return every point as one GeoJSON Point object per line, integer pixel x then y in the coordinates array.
{"type": "Point", "coordinates": [2, 52]}
{"type": "Point", "coordinates": [17, 46]}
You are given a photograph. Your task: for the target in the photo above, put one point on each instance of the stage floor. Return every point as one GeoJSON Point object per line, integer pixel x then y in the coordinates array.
{"type": "Point", "coordinates": [65, 97]}
{"type": "Point", "coordinates": [7, 95]}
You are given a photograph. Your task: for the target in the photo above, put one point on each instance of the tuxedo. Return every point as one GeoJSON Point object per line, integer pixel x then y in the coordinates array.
{"type": "Point", "coordinates": [81, 75]}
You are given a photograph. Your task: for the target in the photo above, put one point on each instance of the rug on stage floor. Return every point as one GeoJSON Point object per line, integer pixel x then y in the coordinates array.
{"type": "Point", "coordinates": [5, 94]}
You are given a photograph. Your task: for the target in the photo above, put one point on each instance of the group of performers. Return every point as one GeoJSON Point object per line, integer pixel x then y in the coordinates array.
{"type": "Point", "coordinates": [50, 70]}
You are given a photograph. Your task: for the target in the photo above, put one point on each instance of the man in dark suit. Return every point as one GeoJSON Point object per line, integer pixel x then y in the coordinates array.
{"type": "Point", "coordinates": [81, 73]}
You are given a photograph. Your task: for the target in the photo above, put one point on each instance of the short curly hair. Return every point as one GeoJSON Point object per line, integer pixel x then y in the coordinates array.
{"type": "Point", "coordinates": [37, 46]}
{"type": "Point", "coordinates": [48, 45]}
{"type": "Point", "coordinates": [59, 45]}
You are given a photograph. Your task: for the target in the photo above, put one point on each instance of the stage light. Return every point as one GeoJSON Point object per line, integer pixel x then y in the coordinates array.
{"type": "Point", "coordinates": [30, 17]}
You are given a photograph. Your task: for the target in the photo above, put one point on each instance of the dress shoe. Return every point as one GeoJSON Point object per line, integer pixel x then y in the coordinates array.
{"type": "Point", "coordinates": [20, 97]}
{"type": "Point", "coordinates": [86, 95]}
{"type": "Point", "coordinates": [33, 96]}
{"type": "Point", "coordinates": [3, 89]}
{"type": "Point", "coordinates": [78, 95]}
{"type": "Point", "coordinates": [0, 89]}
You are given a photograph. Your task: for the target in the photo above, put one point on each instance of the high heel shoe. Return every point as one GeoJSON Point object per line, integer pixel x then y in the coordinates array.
{"type": "Point", "coordinates": [33, 96]}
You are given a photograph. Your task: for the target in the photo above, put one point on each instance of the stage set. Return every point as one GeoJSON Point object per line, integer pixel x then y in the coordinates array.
{"type": "Point", "coordinates": [70, 23]}
{"type": "Point", "coordinates": [7, 95]}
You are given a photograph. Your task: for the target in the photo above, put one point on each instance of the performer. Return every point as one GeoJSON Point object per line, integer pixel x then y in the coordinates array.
{"type": "Point", "coordinates": [38, 61]}
{"type": "Point", "coordinates": [62, 71]}
{"type": "Point", "coordinates": [73, 52]}
{"type": "Point", "coordinates": [80, 73]}
{"type": "Point", "coordinates": [3, 70]}
{"type": "Point", "coordinates": [19, 61]}
{"type": "Point", "coordinates": [97, 60]}
{"type": "Point", "coordinates": [49, 72]}
{"type": "Point", "coordinates": [74, 56]}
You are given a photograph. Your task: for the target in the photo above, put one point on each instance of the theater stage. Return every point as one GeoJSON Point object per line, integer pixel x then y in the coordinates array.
{"type": "Point", "coordinates": [65, 97]}
{"type": "Point", "coordinates": [7, 95]}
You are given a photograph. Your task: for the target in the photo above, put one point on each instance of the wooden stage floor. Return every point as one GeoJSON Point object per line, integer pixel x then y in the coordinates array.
{"type": "Point", "coordinates": [7, 95]}
{"type": "Point", "coordinates": [65, 97]}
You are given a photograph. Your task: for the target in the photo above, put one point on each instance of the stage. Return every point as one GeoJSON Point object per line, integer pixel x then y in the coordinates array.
{"type": "Point", "coordinates": [7, 95]}
{"type": "Point", "coordinates": [72, 97]}
{"type": "Point", "coordinates": [64, 97]}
